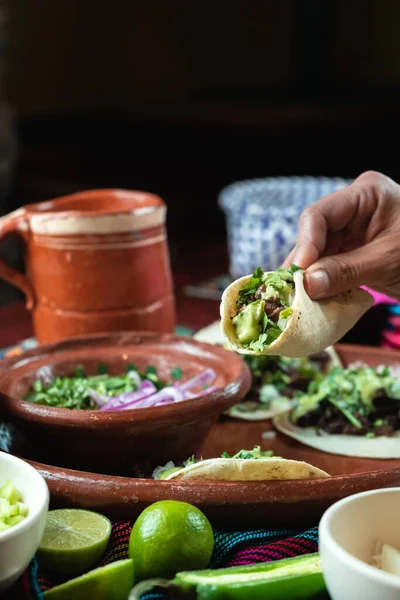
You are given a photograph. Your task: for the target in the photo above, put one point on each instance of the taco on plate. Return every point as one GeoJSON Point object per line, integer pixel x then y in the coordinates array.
{"type": "Point", "coordinates": [246, 465]}
{"type": "Point", "coordinates": [271, 313]}
{"type": "Point", "coordinates": [275, 379]}
{"type": "Point", "coordinates": [353, 412]}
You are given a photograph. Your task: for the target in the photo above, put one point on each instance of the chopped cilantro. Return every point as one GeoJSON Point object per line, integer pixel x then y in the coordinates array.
{"type": "Point", "coordinates": [250, 288]}
{"type": "Point", "coordinates": [150, 370]}
{"type": "Point", "coordinates": [190, 461]}
{"type": "Point", "coordinates": [250, 454]}
{"type": "Point", "coordinates": [293, 268]}
{"type": "Point", "coordinates": [265, 339]}
{"type": "Point", "coordinates": [79, 371]}
{"type": "Point", "coordinates": [176, 373]}
{"type": "Point", "coordinates": [75, 391]}
{"type": "Point", "coordinates": [352, 392]}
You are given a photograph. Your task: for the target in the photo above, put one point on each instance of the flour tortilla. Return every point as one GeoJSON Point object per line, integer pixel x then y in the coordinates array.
{"type": "Point", "coordinates": [275, 407]}
{"type": "Point", "coordinates": [345, 445]}
{"type": "Point", "coordinates": [235, 469]}
{"type": "Point", "coordinates": [212, 334]}
{"type": "Point", "coordinates": [313, 325]}
{"type": "Point", "coordinates": [279, 405]}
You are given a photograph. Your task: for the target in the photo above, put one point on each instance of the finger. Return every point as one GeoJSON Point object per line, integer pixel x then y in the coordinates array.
{"type": "Point", "coordinates": [289, 260]}
{"type": "Point", "coordinates": [311, 238]}
{"type": "Point", "coordinates": [334, 274]}
{"type": "Point", "coordinates": [334, 243]}
{"type": "Point", "coordinates": [349, 209]}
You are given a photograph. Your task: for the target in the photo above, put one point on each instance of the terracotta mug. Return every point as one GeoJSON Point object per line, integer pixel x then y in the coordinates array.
{"type": "Point", "coordinates": [96, 261]}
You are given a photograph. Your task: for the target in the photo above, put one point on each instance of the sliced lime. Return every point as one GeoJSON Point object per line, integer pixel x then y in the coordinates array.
{"type": "Point", "coordinates": [73, 540]}
{"type": "Point", "coordinates": [112, 582]}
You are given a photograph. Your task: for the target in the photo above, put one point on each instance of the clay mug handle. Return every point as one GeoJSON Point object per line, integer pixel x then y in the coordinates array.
{"type": "Point", "coordinates": [16, 223]}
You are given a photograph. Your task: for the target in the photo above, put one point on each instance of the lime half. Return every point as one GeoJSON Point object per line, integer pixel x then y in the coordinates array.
{"type": "Point", "coordinates": [112, 582]}
{"type": "Point", "coordinates": [73, 540]}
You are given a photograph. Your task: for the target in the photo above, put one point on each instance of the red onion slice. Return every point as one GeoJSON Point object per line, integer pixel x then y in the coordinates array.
{"type": "Point", "coordinates": [137, 380]}
{"type": "Point", "coordinates": [204, 378]}
{"type": "Point", "coordinates": [100, 399]}
{"type": "Point", "coordinates": [117, 402]}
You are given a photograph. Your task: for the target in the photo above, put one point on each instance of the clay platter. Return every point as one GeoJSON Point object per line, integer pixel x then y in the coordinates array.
{"type": "Point", "coordinates": [256, 504]}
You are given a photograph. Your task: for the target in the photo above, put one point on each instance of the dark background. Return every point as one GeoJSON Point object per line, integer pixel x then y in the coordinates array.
{"type": "Point", "coordinates": [183, 97]}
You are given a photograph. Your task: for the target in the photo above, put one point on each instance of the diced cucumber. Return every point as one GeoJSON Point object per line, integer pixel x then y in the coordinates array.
{"type": "Point", "coordinates": [23, 510]}
{"type": "Point", "coordinates": [14, 520]}
{"type": "Point", "coordinates": [9, 492]}
{"type": "Point", "coordinates": [12, 509]}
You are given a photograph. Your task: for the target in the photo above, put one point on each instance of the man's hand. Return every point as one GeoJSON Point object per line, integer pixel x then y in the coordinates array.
{"type": "Point", "coordinates": [352, 238]}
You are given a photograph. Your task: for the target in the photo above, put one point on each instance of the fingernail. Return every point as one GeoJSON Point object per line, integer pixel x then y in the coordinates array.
{"type": "Point", "coordinates": [317, 283]}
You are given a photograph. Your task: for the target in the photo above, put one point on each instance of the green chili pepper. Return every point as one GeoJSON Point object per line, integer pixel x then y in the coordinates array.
{"type": "Point", "coordinates": [289, 579]}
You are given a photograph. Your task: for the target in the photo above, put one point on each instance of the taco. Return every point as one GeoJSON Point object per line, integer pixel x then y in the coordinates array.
{"type": "Point", "coordinates": [246, 465]}
{"type": "Point", "coordinates": [275, 379]}
{"type": "Point", "coordinates": [352, 412]}
{"type": "Point", "coordinates": [271, 313]}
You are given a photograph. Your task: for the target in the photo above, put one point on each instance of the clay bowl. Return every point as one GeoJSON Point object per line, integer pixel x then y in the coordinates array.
{"type": "Point", "coordinates": [115, 441]}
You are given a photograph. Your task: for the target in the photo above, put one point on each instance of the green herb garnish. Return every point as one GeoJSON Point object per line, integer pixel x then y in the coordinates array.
{"type": "Point", "coordinates": [176, 373]}
{"type": "Point", "coordinates": [249, 454]}
{"type": "Point", "coordinates": [351, 391]}
{"type": "Point", "coordinates": [250, 288]}
{"type": "Point", "coordinates": [74, 392]}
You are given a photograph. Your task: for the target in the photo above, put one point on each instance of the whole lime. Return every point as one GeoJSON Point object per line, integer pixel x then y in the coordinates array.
{"type": "Point", "coordinates": [170, 536]}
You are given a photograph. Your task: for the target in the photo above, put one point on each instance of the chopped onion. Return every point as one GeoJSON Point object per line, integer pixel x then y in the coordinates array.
{"type": "Point", "coordinates": [134, 375]}
{"type": "Point", "coordinates": [204, 378]}
{"type": "Point", "coordinates": [163, 396]}
{"type": "Point", "coordinates": [100, 399]}
{"type": "Point", "coordinates": [190, 395]}
{"type": "Point", "coordinates": [147, 396]}
{"type": "Point", "coordinates": [147, 388]}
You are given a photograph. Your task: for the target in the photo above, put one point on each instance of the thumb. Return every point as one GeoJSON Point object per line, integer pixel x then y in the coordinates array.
{"type": "Point", "coordinates": [332, 275]}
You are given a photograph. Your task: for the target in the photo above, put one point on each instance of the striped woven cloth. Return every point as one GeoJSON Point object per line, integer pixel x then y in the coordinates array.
{"type": "Point", "coordinates": [232, 548]}
{"type": "Point", "coordinates": [391, 332]}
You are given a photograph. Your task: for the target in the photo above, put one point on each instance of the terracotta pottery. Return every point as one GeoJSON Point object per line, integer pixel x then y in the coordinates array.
{"type": "Point", "coordinates": [115, 440]}
{"type": "Point", "coordinates": [237, 504]}
{"type": "Point", "coordinates": [96, 261]}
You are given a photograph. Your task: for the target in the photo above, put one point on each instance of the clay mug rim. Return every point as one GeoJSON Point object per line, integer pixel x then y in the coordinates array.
{"type": "Point", "coordinates": [111, 202]}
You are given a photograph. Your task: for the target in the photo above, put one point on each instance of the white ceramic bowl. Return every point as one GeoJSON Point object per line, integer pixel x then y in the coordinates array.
{"type": "Point", "coordinates": [348, 533]}
{"type": "Point", "coordinates": [19, 543]}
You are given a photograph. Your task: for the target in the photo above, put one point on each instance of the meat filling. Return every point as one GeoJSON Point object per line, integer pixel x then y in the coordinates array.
{"type": "Point", "coordinates": [384, 420]}
{"type": "Point", "coordinates": [273, 306]}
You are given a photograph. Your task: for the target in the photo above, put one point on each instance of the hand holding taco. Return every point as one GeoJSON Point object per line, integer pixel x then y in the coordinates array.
{"type": "Point", "coordinates": [271, 313]}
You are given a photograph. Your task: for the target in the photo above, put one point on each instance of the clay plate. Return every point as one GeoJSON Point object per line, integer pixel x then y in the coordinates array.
{"type": "Point", "coordinates": [103, 440]}
{"type": "Point", "coordinates": [259, 504]}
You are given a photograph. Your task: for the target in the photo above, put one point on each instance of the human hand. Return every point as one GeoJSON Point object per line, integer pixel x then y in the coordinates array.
{"type": "Point", "coordinates": [351, 238]}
